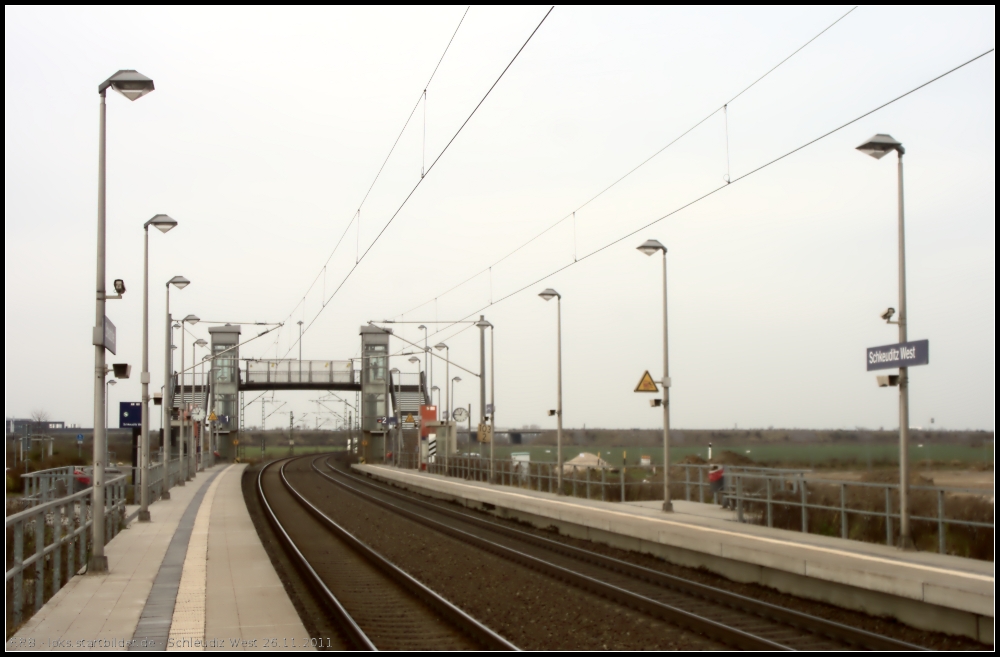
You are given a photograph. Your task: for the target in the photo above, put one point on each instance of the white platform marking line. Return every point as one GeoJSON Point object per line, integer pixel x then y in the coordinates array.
{"type": "Point", "coordinates": [774, 541]}
{"type": "Point", "coordinates": [188, 623]}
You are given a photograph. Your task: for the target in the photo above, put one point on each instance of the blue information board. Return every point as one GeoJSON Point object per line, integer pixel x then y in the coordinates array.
{"type": "Point", "coordinates": [130, 415]}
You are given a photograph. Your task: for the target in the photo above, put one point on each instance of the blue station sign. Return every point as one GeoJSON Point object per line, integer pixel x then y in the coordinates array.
{"type": "Point", "coordinates": [906, 354]}
{"type": "Point", "coordinates": [130, 415]}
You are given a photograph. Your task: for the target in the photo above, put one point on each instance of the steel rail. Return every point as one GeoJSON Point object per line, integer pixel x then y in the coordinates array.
{"type": "Point", "coordinates": [458, 618]}
{"type": "Point", "coordinates": [813, 624]}
{"type": "Point", "coordinates": [705, 626]}
{"type": "Point", "coordinates": [350, 628]}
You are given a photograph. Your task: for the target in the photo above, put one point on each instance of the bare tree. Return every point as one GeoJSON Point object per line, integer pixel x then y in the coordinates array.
{"type": "Point", "coordinates": [40, 416]}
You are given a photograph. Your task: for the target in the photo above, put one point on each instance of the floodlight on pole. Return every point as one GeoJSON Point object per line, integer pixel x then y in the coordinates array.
{"type": "Point", "coordinates": [132, 85]}
{"type": "Point", "coordinates": [162, 222]}
{"type": "Point", "coordinates": [649, 247]}
{"type": "Point", "coordinates": [548, 294]}
{"type": "Point", "coordinates": [878, 147]}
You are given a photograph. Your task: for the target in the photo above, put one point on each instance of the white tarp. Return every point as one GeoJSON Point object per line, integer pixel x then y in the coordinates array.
{"type": "Point", "coordinates": [583, 461]}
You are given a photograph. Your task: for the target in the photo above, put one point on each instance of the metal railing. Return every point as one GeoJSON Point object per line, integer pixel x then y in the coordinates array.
{"type": "Point", "coordinates": [298, 371]}
{"type": "Point", "coordinates": [54, 533]}
{"type": "Point", "coordinates": [688, 481]}
{"type": "Point", "coordinates": [857, 510]}
{"type": "Point", "coordinates": [774, 497]}
{"type": "Point", "coordinates": [44, 485]}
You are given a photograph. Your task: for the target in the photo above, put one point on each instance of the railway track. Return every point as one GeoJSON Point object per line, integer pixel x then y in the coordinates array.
{"type": "Point", "coordinates": [376, 605]}
{"type": "Point", "coordinates": [735, 620]}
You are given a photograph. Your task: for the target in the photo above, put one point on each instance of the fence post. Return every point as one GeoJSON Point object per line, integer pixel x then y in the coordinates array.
{"type": "Point", "coordinates": [83, 534]}
{"type": "Point", "coordinates": [888, 517]}
{"type": "Point", "coordinates": [701, 485]}
{"type": "Point", "coordinates": [770, 521]}
{"type": "Point", "coordinates": [805, 511]}
{"type": "Point", "coordinates": [39, 561]}
{"type": "Point", "coordinates": [574, 481]}
{"type": "Point", "coordinates": [604, 485]}
{"type": "Point", "coordinates": [843, 510]}
{"type": "Point", "coordinates": [941, 534]}
{"type": "Point", "coordinates": [57, 514]}
{"type": "Point", "coordinates": [19, 576]}
{"type": "Point", "coordinates": [588, 482]}
{"type": "Point", "coordinates": [623, 483]}
{"type": "Point", "coordinates": [739, 498]}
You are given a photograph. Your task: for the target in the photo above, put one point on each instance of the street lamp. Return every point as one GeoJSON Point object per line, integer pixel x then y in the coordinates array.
{"type": "Point", "coordinates": [649, 247]}
{"type": "Point", "coordinates": [107, 391]}
{"type": "Point", "coordinates": [451, 411]}
{"type": "Point", "coordinates": [878, 147]}
{"type": "Point", "coordinates": [430, 371]}
{"type": "Point", "coordinates": [548, 294]}
{"type": "Point", "coordinates": [185, 461]}
{"type": "Point", "coordinates": [194, 360]}
{"type": "Point", "coordinates": [447, 373]}
{"type": "Point", "coordinates": [164, 224]}
{"type": "Point", "coordinates": [482, 324]}
{"type": "Point", "coordinates": [132, 85]}
{"type": "Point", "coordinates": [168, 389]}
{"type": "Point", "coordinates": [438, 391]}
{"type": "Point", "coordinates": [394, 373]}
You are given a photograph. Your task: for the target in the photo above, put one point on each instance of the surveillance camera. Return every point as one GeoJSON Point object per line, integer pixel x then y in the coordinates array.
{"type": "Point", "coordinates": [552, 412]}
{"type": "Point", "coordinates": [889, 312]}
{"type": "Point", "coordinates": [119, 286]}
{"type": "Point", "coordinates": [655, 402]}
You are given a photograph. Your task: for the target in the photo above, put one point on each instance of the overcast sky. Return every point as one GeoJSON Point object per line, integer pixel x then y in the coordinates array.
{"type": "Point", "coordinates": [268, 126]}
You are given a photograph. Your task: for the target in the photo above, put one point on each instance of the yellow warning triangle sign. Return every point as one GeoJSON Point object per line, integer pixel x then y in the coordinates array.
{"type": "Point", "coordinates": [213, 417]}
{"type": "Point", "coordinates": [646, 384]}
{"type": "Point", "coordinates": [409, 418]}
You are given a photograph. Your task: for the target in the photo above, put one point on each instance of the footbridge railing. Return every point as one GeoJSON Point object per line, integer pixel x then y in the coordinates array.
{"type": "Point", "coordinates": [291, 372]}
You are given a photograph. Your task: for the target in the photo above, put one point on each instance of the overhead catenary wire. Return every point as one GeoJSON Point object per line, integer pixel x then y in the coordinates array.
{"type": "Point", "coordinates": [640, 165]}
{"type": "Point", "coordinates": [721, 187]}
{"type": "Point", "coordinates": [420, 180]}
{"type": "Point", "coordinates": [357, 215]}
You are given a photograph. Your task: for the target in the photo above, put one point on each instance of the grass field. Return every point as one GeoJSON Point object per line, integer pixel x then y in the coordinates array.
{"type": "Point", "coordinates": [253, 453]}
{"type": "Point", "coordinates": [801, 455]}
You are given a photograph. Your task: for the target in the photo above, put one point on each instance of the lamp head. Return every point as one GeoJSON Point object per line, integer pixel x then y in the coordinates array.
{"type": "Point", "coordinates": [131, 84]}
{"type": "Point", "coordinates": [201, 343]}
{"type": "Point", "coordinates": [649, 247]}
{"type": "Point", "coordinates": [162, 222]}
{"type": "Point", "coordinates": [414, 359]}
{"type": "Point", "coordinates": [192, 319]}
{"type": "Point", "coordinates": [879, 145]}
{"type": "Point", "coordinates": [456, 378]}
{"type": "Point", "coordinates": [179, 282]}
{"type": "Point", "coordinates": [421, 328]}
{"type": "Point", "coordinates": [440, 345]}
{"type": "Point", "coordinates": [548, 294]}
{"type": "Point", "coordinates": [483, 324]}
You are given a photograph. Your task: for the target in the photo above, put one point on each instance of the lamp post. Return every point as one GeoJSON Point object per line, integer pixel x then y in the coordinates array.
{"type": "Point", "coordinates": [438, 391]}
{"type": "Point", "coordinates": [107, 392]}
{"type": "Point", "coordinates": [451, 411]}
{"type": "Point", "coordinates": [878, 147]}
{"type": "Point", "coordinates": [132, 85]}
{"type": "Point", "coordinates": [194, 360]}
{"type": "Point", "coordinates": [185, 460]}
{"type": "Point", "coordinates": [394, 373]}
{"type": "Point", "coordinates": [168, 389]}
{"type": "Point", "coordinates": [430, 371]}
{"type": "Point", "coordinates": [548, 294]}
{"type": "Point", "coordinates": [164, 224]}
{"type": "Point", "coordinates": [447, 373]}
{"type": "Point", "coordinates": [649, 247]}
{"type": "Point", "coordinates": [416, 361]}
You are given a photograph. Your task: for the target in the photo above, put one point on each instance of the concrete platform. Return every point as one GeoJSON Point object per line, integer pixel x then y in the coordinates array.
{"type": "Point", "coordinates": [195, 578]}
{"type": "Point", "coordinates": [926, 590]}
